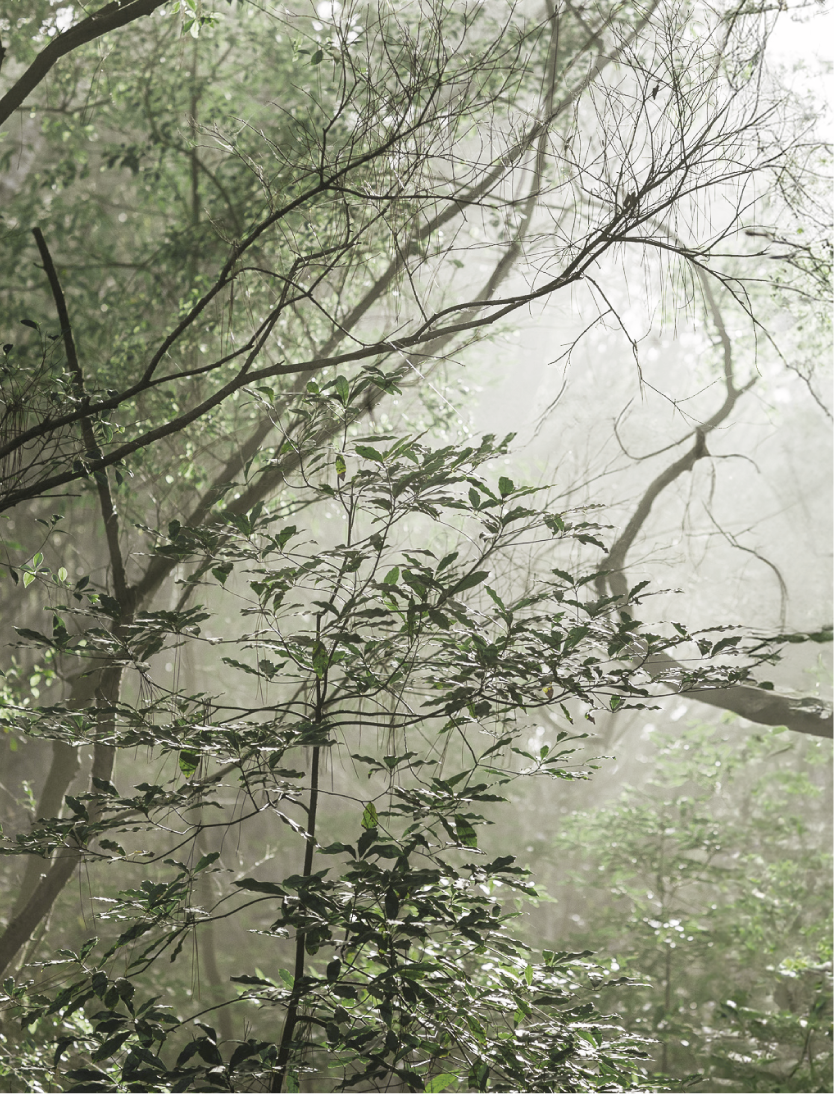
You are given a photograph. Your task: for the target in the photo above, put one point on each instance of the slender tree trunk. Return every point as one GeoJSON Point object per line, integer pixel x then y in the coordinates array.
{"type": "Point", "coordinates": [62, 770]}
{"type": "Point", "coordinates": [285, 1049]}
{"type": "Point", "coordinates": [51, 884]}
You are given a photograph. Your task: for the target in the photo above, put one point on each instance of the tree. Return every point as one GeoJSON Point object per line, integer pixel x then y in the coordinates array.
{"type": "Point", "coordinates": [364, 638]}
{"type": "Point", "coordinates": [716, 896]}
{"type": "Point", "coordinates": [233, 297]}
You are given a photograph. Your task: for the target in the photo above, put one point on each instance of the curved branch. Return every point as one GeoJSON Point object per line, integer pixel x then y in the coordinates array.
{"type": "Point", "coordinates": [756, 704]}
{"type": "Point", "coordinates": [614, 561]}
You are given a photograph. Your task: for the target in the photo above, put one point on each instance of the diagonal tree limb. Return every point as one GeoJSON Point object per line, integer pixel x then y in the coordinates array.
{"type": "Point", "coordinates": [112, 16]}
{"type": "Point", "coordinates": [93, 452]}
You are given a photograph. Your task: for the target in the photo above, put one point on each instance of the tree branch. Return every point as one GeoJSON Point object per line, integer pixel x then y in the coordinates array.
{"type": "Point", "coordinates": [112, 16]}
{"type": "Point", "coordinates": [756, 704]}
{"type": "Point", "coordinates": [108, 509]}
{"type": "Point", "coordinates": [599, 240]}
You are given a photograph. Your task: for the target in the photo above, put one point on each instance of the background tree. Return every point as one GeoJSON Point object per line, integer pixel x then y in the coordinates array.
{"type": "Point", "coordinates": [717, 896]}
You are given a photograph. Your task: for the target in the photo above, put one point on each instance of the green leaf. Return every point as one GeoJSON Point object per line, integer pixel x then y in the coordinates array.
{"type": "Point", "coordinates": [341, 466]}
{"type": "Point", "coordinates": [86, 948]}
{"type": "Point", "coordinates": [244, 1052]}
{"type": "Point", "coordinates": [255, 981]}
{"type": "Point", "coordinates": [470, 581]}
{"type": "Point", "coordinates": [440, 1083]}
{"type": "Point", "coordinates": [285, 535]}
{"type": "Point", "coordinates": [447, 560]}
{"type": "Point", "coordinates": [111, 845]}
{"type": "Point", "coordinates": [222, 571]}
{"type": "Point", "coordinates": [188, 761]}
{"type": "Point", "coordinates": [505, 486]}
{"type": "Point", "coordinates": [110, 1046]}
{"type": "Point", "coordinates": [88, 1074]}
{"type": "Point", "coordinates": [369, 816]}
{"type": "Point", "coordinates": [251, 885]}
{"type": "Point", "coordinates": [33, 636]}
{"type": "Point", "coordinates": [28, 578]}
{"type": "Point", "coordinates": [342, 389]}
{"type": "Point", "coordinates": [465, 832]}
{"type": "Point", "coordinates": [494, 595]}
{"type": "Point", "coordinates": [392, 577]}
{"type": "Point", "coordinates": [369, 453]}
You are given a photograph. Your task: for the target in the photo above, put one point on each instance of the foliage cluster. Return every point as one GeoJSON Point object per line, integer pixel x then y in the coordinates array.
{"type": "Point", "coordinates": [710, 884]}
{"type": "Point", "coordinates": [402, 967]}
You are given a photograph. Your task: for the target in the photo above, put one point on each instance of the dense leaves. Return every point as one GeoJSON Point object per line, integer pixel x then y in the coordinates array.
{"type": "Point", "coordinates": [404, 962]}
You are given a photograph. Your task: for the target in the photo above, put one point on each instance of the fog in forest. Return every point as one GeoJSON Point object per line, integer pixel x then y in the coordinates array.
{"type": "Point", "coordinates": [416, 460]}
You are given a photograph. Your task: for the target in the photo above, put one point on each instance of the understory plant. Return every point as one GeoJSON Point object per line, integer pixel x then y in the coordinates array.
{"type": "Point", "coordinates": [377, 711]}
